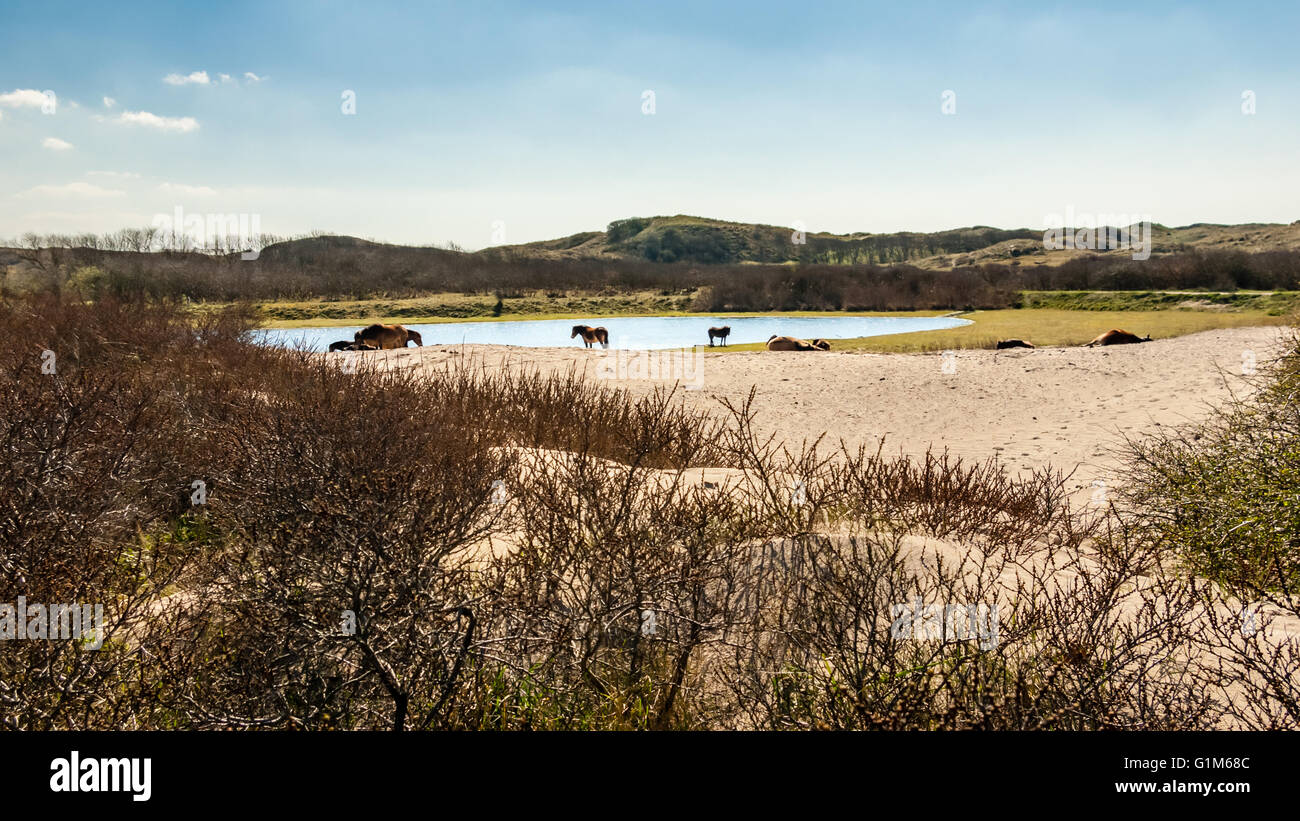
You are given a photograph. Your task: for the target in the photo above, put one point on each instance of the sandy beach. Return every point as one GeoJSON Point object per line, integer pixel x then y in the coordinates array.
{"type": "Point", "coordinates": [1065, 407]}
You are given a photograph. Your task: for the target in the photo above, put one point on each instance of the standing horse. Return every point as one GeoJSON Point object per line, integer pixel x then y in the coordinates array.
{"type": "Point", "coordinates": [591, 335]}
{"type": "Point", "coordinates": [386, 336]}
{"type": "Point", "coordinates": [721, 333]}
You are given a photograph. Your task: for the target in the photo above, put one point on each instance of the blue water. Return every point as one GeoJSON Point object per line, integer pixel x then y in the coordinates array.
{"type": "Point", "coordinates": [638, 333]}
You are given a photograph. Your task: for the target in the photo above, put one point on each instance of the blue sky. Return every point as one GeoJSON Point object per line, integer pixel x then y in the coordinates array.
{"type": "Point", "coordinates": [527, 118]}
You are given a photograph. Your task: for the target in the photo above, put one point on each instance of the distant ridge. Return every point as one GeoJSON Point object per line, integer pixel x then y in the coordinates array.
{"type": "Point", "coordinates": [706, 241]}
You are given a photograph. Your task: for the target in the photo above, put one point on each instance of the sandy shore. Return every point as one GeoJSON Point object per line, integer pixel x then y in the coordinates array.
{"type": "Point", "coordinates": [1067, 407]}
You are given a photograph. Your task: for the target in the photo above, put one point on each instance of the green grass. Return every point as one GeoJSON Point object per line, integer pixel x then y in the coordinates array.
{"type": "Point", "coordinates": [1275, 303]}
{"type": "Point", "coordinates": [478, 308]}
{"type": "Point", "coordinates": [1050, 327]}
{"type": "Point", "coordinates": [463, 307]}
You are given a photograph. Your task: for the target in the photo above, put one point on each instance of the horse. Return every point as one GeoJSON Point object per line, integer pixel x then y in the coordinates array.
{"type": "Point", "coordinates": [1013, 343]}
{"type": "Point", "coordinates": [1117, 337]}
{"type": "Point", "coordinates": [721, 333]}
{"type": "Point", "coordinates": [387, 336]}
{"type": "Point", "coordinates": [790, 343]}
{"type": "Point", "coordinates": [591, 336]}
{"type": "Point", "coordinates": [341, 345]}
{"type": "Point", "coordinates": [821, 344]}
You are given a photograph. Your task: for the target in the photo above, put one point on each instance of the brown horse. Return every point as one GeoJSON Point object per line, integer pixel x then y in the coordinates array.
{"type": "Point", "coordinates": [821, 344]}
{"type": "Point", "coordinates": [790, 343]}
{"type": "Point", "coordinates": [1117, 337]}
{"type": "Point", "coordinates": [591, 336]}
{"type": "Point", "coordinates": [1013, 343]}
{"type": "Point", "coordinates": [386, 336]}
{"type": "Point", "coordinates": [721, 333]}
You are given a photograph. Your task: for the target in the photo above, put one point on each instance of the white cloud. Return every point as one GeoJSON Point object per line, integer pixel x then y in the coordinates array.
{"type": "Point", "coordinates": [117, 175]}
{"type": "Point", "coordinates": [177, 124]}
{"type": "Point", "coordinates": [109, 102]}
{"type": "Point", "coordinates": [187, 190]}
{"type": "Point", "coordinates": [79, 190]}
{"type": "Point", "coordinates": [225, 78]}
{"type": "Point", "coordinates": [23, 98]}
{"type": "Point", "coordinates": [193, 78]}
{"type": "Point", "coordinates": [252, 78]}
{"type": "Point", "coordinates": [55, 144]}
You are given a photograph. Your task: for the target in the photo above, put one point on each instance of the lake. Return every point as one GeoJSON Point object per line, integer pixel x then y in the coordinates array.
{"type": "Point", "coordinates": [637, 332]}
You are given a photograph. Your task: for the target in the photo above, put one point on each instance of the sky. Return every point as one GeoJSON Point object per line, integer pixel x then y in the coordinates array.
{"type": "Point", "coordinates": [489, 123]}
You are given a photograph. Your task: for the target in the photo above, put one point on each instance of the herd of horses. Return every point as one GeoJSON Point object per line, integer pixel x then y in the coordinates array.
{"type": "Point", "coordinates": [378, 337]}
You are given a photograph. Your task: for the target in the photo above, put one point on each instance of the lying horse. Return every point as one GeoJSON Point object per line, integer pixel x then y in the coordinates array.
{"type": "Point", "coordinates": [384, 337]}
{"type": "Point", "coordinates": [344, 345]}
{"type": "Point", "coordinates": [1013, 343]}
{"type": "Point", "coordinates": [591, 336]}
{"type": "Point", "coordinates": [790, 343]}
{"type": "Point", "coordinates": [1117, 337]}
{"type": "Point", "coordinates": [820, 344]}
{"type": "Point", "coordinates": [721, 333]}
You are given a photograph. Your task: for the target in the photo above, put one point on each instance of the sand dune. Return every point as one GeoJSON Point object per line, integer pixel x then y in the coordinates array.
{"type": "Point", "coordinates": [1067, 407]}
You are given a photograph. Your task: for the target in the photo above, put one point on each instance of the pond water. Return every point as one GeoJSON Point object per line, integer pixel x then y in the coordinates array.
{"type": "Point", "coordinates": [636, 333]}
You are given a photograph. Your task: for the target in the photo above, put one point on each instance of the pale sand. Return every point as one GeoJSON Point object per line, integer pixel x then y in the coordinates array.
{"type": "Point", "coordinates": [1067, 408]}
{"type": "Point", "coordinates": [1064, 407]}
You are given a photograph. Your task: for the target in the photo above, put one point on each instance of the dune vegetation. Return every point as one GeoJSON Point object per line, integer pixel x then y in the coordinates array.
{"type": "Point", "coordinates": [288, 540]}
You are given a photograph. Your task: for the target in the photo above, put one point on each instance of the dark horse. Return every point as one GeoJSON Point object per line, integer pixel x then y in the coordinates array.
{"type": "Point", "coordinates": [591, 336]}
{"type": "Point", "coordinates": [721, 333]}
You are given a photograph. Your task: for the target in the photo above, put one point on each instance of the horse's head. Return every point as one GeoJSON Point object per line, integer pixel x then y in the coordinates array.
{"type": "Point", "coordinates": [577, 329]}
{"type": "Point", "coordinates": [414, 336]}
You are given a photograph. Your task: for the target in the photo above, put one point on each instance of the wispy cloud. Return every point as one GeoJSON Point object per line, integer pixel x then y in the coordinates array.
{"type": "Point", "coordinates": [252, 78]}
{"type": "Point", "coordinates": [225, 78]}
{"type": "Point", "coordinates": [55, 144]}
{"type": "Point", "coordinates": [109, 102]}
{"type": "Point", "coordinates": [180, 125]}
{"type": "Point", "coordinates": [23, 98]}
{"type": "Point", "coordinates": [77, 190]}
{"type": "Point", "coordinates": [199, 78]}
{"type": "Point", "coordinates": [117, 175]}
{"type": "Point", "coordinates": [187, 190]}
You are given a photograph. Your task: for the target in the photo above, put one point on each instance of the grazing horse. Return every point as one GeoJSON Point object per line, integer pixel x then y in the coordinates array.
{"type": "Point", "coordinates": [341, 345]}
{"type": "Point", "coordinates": [1117, 337]}
{"type": "Point", "coordinates": [790, 343]}
{"type": "Point", "coordinates": [1013, 343]}
{"type": "Point", "coordinates": [386, 336]}
{"type": "Point", "coordinates": [360, 346]}
{"type": "Point", "coordinates": [721, 333]}
{"type": "Point", "coordinates": [591, 336]}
